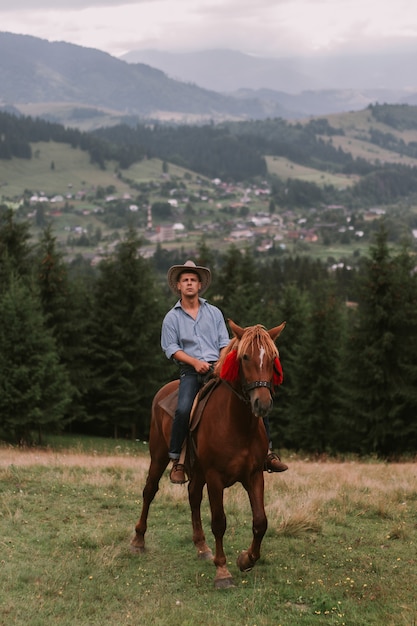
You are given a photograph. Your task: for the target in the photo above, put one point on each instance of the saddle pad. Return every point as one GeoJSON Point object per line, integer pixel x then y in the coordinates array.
{"type": "Point", "coordinates": [169, 403]}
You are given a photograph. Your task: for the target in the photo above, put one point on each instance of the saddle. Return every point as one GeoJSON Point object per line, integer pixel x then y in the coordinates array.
{"type": "Point", "coordinates": [169, 403]}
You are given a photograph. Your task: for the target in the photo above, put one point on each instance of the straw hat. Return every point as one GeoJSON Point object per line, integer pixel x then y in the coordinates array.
{"type": "Point", "coordinates": [203, 273]}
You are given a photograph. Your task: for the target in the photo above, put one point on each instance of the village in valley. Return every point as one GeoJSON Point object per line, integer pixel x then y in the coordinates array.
{"type": "Point", "coordinates": [178, 211]}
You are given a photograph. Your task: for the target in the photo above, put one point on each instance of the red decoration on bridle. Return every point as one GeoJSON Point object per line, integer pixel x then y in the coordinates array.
{"type": "Point", "coordinates": [230, 369]}
{"type": "Point", "coordinates": [278, 373]}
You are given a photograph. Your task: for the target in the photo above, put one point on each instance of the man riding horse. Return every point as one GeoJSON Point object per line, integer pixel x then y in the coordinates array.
{"type": "Point", "coordinates": [194, 334]}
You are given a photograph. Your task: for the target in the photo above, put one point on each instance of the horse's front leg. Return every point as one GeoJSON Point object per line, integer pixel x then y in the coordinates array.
{"type": "Point", "coordinates": [156, 469]}
{"type": "Point", "coordinates": [195, 496]}
{"type": "Point", "coordinates": [223, 578]}
{"type": "Point", "coordinates": [247, 559]}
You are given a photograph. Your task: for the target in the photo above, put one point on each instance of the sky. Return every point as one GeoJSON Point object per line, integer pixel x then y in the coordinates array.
{"type": "Point", "coordinates": [268, 28]}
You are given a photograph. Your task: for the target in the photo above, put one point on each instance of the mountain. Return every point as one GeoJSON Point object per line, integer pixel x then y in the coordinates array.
{"type": "Point", "coordinates": [227, 71]}
{"type": "Point", "coordinates": [37, 73]}
{"type": "Point", "coordinates": [304, 86]}
{"type": "Point", "coordinates": [87, 88]}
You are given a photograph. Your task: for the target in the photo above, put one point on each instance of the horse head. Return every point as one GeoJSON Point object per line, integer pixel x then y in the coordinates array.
{"type": "Point", "coordinates": [252, 358]}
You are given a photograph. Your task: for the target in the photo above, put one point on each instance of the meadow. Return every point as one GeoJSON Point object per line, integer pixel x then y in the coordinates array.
{"type": "Point", "coordinates": [340, 547]}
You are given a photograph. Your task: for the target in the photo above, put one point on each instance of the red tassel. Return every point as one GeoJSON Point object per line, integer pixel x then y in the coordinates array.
{"type": "Point", "coordinates": [230, 367]}
{"type": "Point", "coordinates": [278, 373]}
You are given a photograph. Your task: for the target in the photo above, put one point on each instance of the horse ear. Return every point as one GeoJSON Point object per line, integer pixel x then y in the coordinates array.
{"type": "Point", "coordinates": [236, 330]}
{"type": "Point", "coordinates": [275, 332]}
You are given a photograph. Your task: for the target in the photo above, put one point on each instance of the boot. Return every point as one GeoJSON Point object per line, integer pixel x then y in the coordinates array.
{"type": "Point", "coordinates": [273, 463]}
{"type": "Point", "coordinates": [177, 473]}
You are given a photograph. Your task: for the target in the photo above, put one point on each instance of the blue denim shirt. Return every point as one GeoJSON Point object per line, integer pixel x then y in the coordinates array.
{"type": "Point", "coordinates": [202, 338]}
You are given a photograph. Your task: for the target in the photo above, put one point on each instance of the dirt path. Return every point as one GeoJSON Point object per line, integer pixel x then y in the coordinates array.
{"type": "Point", "coordinates": [12, 456]}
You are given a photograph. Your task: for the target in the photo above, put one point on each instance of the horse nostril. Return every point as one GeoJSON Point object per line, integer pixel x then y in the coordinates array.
{"type": "Point", "coordinates": [260, 409]}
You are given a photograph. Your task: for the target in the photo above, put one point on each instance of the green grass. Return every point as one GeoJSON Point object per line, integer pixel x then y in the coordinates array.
{"type": "Point", "coordinates": [340, 548]}
{"type": "Point", "coordinates": [71, 167]}
{"type": "Point", "coordinates": [284, 169]}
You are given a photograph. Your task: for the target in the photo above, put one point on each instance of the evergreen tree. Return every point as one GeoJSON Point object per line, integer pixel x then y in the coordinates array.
{"type": "Point", "coordinates": [67, 310]}
{"type": "Point", "coordinates": [291, 306]}
{"type": "Point", "coordinates": [15, 249]}
{"type": "Point", "coordinates": [126, 355]}
{"type": "Point", "coordinates": [382, 355]}
{"type": "Point", "coordinates": [316, 375]}
{"type": "Point", "coordinates": [240, 292]}
{"type": "Point", "coordinates": [34, 388]}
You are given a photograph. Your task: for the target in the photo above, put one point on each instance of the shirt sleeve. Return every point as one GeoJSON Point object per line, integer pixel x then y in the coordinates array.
{"type": "Point", "coordinates": [222, 331]}
{"type": "Point", "coordinates": [169, 335]}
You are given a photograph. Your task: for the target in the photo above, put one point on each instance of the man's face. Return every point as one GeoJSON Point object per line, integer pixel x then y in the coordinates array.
{"type": "Point", "coordinates": [188, 284]}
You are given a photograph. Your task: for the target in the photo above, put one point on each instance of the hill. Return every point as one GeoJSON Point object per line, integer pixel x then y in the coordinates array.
{"type": "Point", "coordinates": [321, 186]}
{"type": "Point", "coordinates": [88, 89]}
{"type": "Point", "coordinates": [76, 85]}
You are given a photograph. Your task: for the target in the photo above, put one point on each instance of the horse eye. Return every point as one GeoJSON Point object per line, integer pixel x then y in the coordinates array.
{"type": "Point", "coordinates": [245, 357]}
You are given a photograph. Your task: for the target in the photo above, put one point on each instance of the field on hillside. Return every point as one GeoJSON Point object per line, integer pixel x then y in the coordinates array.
{"type": "Point", "coordinates": [282, 167]}
{"type": "Point", "coordinates": [55, 168]}
{"type": "Point", "coordinates": [340, 547]}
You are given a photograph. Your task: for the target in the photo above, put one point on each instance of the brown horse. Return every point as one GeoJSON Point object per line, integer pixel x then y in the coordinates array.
{"type": "Point", "coordinates": [228, 446]}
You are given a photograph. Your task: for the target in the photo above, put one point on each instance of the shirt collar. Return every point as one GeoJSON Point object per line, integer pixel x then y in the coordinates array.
{"type": "Point", "coordinates": [177, 305]}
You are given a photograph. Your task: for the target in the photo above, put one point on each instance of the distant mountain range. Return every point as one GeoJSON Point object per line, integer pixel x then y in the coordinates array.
{"type": "Point", "coordinates": [87, 88]}
{"type": "Point", "coordinates": [227, 71]}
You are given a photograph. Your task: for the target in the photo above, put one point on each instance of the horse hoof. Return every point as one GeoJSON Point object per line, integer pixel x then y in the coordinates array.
{"type": "Point", "coordinates": [137, 548]}
{"type": "Point", "coordinates": [224, 583]}
{"type": "Point", "coordinates": [244, 562]}
{"type": "Point", "coordinates": [206, 556]}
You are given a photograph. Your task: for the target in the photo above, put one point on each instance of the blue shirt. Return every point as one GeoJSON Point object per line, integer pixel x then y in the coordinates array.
{"type": "Point", "coordinates": [201, 338]}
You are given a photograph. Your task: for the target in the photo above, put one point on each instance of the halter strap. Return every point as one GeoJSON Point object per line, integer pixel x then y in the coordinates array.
{"type": "Point", "coordinates": [257, 383]}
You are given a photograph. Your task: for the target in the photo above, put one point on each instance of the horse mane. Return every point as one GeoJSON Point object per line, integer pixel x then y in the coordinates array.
{"type": "Point", "coordinates": [253, 334]}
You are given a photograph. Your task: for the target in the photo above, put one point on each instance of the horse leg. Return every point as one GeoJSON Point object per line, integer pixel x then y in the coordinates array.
{"type": "Point", "coordinates": [195, 496]}
{"type": "Point", "coordinates": [247, 558]}
{"type": "Point", "coordinates": [156, 469]}
{"type": "Point", "coordinates": [223, 578]}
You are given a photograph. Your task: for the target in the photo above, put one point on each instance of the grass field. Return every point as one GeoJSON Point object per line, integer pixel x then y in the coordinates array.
{"type": "Point", "coordinates": [340, 548]}
{"type": "Point", "coordinates": [282, 167]}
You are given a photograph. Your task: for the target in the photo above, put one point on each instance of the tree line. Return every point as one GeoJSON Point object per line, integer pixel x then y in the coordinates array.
{"type": "Point", "coordinates": [80, 346]}
{"type": "Point", "coordinates": [236, 151]}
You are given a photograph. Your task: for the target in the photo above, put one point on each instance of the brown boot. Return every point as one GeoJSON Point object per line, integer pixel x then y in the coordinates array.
{"type": "Point", "coordinates": [273, 463]}
{"type": "Point", "coordinates": [177, 473]}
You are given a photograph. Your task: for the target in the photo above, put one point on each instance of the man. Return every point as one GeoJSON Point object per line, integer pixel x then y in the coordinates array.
{"type": "Point", "coordinates": [194, 334]}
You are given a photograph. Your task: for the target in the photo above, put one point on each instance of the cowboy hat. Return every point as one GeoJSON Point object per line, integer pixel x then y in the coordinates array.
{"type": "Point", "coordinates": [175, 271]}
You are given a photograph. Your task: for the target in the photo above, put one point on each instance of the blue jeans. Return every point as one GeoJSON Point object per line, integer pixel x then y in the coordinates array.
{"type": "Point", "coordinates": [190, 383]}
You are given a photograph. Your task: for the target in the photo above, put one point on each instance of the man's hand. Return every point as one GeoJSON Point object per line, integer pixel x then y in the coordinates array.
{"type": "Point", "coordinates": [201, 367]}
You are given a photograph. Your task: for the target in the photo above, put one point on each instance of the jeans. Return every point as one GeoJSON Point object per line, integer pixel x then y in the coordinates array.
{"type": "Point", "coordinates": [190, 383]}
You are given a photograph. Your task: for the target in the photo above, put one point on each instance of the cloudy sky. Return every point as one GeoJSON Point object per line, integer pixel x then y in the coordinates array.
{"type": "Point", "coordinates": [262, 27]}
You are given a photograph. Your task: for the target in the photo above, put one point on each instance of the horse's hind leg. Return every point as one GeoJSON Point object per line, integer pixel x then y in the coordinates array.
{"type": "Point", "coordinates": [156, 469]}
{"type": "Point", "coordinates": [195, 496]}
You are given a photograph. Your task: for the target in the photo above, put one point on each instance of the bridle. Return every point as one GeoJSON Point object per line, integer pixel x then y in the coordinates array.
{"type": "Point", "coordinates": [247, 387]}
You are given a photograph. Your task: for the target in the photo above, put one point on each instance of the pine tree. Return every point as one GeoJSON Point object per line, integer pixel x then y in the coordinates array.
{"type": "Point", "coordinates": [126, 355]}
{"type": "Point", "coordinates": [316, 371]}
{"type": "Point", "coordinates": [382, 357]}
{"type": "Point", "coordinates": [34, 388]}
{"type": "Point", "coordinates": [15, 249]}
{"type": "Point", "coordinates": [241, 294]}
{"type": "Point", "coordinates": [65, 305]}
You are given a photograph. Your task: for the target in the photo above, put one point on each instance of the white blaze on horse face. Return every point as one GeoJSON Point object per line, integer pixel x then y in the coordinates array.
{"type": "Point", "coordinates": [261, 357]}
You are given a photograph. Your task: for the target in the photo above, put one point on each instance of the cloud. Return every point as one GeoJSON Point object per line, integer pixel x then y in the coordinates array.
{"type": "Point", "coordinates": [264, 27]}
{"type": "Point", "coordinates": [8, 6]}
